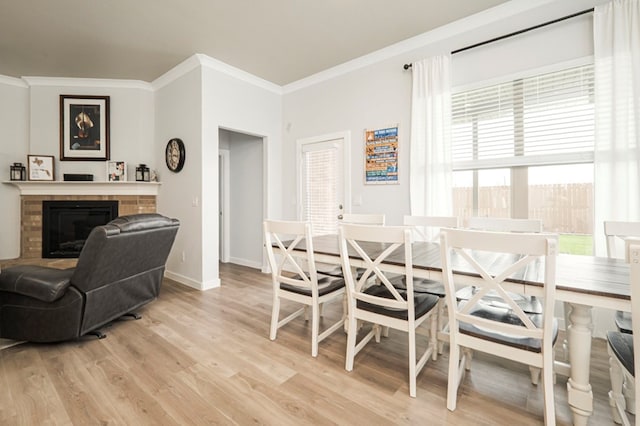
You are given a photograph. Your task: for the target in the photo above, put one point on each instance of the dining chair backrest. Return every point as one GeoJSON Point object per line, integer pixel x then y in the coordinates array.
{"type": "Point", "coordinates": [502, 224]}
{"type": "Point", "coordinates": [385, 240]}
{"type": "Point", "coordinates": [363, 218]}
{"type": "Point", "coordinates": [299, 271]}
{"type": "Point", "coordinates": [427, 228]}
{"type": "Point", "coordinates": [616, 233]}
{"type": "Point", "coordinates": [479, 252]}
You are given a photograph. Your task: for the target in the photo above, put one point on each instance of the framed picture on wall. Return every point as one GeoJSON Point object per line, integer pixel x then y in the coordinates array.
{"type": "Point", "coordinates": [40, 167]}
{"type": "Point", "coordinates": [381, 155]}
{"type": "Point", "coordinates": [84, 128]}
{"type": "Point", "coordinates": [116, 171]}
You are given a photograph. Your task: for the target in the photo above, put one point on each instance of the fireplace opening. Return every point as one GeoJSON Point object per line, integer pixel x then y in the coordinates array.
{"type": "Point", "coordinates": [67, 224]}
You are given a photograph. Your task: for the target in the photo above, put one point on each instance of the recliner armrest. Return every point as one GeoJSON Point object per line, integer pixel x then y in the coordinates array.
{"type": "Point", "coordinates": [39, 282]}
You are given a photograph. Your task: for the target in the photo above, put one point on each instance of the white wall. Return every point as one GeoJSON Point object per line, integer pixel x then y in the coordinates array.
{"type": "Point", "coordinates": [131, 122]}
{"type": "Point", "coordinates": [239, 102]}
{"type": "Point", "coordinates": [246, 199]}
{"type": "Point", "coordinates": [377, 93]}
{"type": "Point", "coordinates": [29, 124]}
{"type": "Point", "coordinates": [14, 138]}
{"type": "Point", "coordinates": [178, 114]}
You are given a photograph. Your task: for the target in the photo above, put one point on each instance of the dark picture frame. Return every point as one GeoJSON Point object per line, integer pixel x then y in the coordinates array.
{"type": "Point", "coordinates": [40, 167]}
{"type": "Point", "coordinates": [84, 128]}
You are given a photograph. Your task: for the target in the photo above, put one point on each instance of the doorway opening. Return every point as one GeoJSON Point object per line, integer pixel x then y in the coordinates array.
{"type": "Point", "coordinates": [241, 197]}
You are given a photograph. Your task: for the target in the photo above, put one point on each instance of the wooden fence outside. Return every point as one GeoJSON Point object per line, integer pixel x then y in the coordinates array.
{"type": "Point", "coordinates": [563, 208]}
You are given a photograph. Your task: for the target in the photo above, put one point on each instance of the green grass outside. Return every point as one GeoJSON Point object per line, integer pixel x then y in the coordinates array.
{"type": "Point", "coordinates": [576, 244]}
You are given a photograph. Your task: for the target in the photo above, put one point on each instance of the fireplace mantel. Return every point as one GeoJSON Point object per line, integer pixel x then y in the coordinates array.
{"type": "Point", "coordinates": [85, 188]}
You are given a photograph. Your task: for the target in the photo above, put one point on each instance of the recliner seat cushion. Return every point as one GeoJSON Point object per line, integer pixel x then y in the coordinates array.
{"type": "Point", "coordinates": [39, 282]}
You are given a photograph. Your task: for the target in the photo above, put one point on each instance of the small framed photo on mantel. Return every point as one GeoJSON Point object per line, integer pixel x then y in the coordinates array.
{"type": "Point", "coordinates": [84, 128]}
{"type": "Point", "coordinates": [116, 171]}
{"type": "Point", "coordinates": [40, 167]}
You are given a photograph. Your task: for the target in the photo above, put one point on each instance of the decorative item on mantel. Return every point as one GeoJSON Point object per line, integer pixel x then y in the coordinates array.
{"type": "Point", "coordinates": [143, 174]}
{"type": "Point", "coordinates": [18, 171]}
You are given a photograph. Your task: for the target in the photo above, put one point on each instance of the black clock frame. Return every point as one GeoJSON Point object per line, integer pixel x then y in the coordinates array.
{"type": "Point", "coordinates": [181, 153]}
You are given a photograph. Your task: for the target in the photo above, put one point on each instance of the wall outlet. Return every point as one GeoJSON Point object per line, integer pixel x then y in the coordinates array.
{"type": "Point", "coordinates": [184, 256]}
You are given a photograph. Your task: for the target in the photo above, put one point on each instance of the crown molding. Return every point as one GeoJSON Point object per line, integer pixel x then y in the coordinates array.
{"type": "Point", "coordinates": [87, 82]}
{"type": "Point", "coordinates": [217, 65]}
{"type": "Point", "coordinates": [201, 60]}
{"type": "Point", "coordinates": [12, 81]}
{"type": "Point", "coordinates": [478, 20]}
{"type": "Point", "coordinates": [176, 72]}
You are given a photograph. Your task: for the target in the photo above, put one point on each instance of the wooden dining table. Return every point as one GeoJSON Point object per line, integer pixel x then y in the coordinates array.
{"type": "Point", "coordinates": [582, 282]}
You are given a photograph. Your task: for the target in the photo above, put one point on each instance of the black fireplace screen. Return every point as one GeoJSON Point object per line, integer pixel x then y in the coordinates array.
{"type": "Point", "coordinates": [67, 224]}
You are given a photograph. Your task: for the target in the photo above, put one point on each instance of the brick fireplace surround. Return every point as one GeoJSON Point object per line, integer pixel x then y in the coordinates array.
{"type": "Point", "coordinates": [132, 198]}
{"type": "Point", "coordinates": [31, 215]}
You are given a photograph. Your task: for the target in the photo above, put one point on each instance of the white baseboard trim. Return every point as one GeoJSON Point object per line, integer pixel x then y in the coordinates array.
{"type": "Point", "coordinates": [245, 262]}
{"type": "Point", "coordinates": [189, 282]}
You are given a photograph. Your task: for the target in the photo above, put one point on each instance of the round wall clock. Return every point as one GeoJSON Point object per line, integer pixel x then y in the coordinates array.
{"type": "Point", "coordinates": [175, 155]}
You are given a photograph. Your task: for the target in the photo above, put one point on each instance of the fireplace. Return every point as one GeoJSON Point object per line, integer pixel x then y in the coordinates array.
{"type": "Point", "coordinates": [67, 224]}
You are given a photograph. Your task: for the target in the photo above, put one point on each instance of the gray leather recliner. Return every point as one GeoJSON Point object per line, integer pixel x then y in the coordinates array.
{"type": "Point", "coordinates": [120, 268]}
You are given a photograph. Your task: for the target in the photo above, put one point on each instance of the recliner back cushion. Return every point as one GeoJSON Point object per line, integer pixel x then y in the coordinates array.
{"type": "Point", "coordinates": [110, 255]}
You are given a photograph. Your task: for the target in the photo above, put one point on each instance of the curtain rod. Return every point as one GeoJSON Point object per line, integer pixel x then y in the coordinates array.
{"type": "Point", "coordinates": [535, 27]}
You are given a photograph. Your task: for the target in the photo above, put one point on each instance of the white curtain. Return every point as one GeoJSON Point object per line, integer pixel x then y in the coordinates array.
{"type": "Point", "coordinates": [616, 32]}
{"type": "Point", "coordinates": [430, 164]}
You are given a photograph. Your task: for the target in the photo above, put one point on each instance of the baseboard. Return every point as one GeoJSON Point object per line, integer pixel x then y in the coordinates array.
{"type": "Point", "coordinates": [244, 262]}
{"type": "Point", "coordinates": [198, 285]}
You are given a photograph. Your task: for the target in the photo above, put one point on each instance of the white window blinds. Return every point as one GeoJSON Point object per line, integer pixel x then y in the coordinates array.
{"type": "Point", "coordinates": [321, 175]}
{"type": "Point", "coordinates": [545, 119]}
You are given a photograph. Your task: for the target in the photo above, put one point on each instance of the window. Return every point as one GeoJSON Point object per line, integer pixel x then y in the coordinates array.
{"type": "Point", "coordinates": [524, 148]}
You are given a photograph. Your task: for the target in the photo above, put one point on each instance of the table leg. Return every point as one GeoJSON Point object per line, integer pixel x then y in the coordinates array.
{"type": "Point", "coordinates": [579, 332]}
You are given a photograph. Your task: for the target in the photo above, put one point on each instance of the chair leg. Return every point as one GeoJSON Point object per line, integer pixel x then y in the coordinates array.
{"type": "Point", "coordinates": [567, 323]}
{"type": "Point", "coordinates": [351, 342]}
{"type": "Point", "coordinates": [453, 379]}
{"type": "Point", "coordinates": [468, 354]}
{"type": "Point", "coordinates": [433, 335]}
{"type": "Point", "coordinates": [412, 361]}
{"type": "Point", "coordinates": [315, 328]}
{"type": "Point", "coordinates": [275, 312]}
{"type": "Point", "coordinates": [385, 331]}
{"type": "Point", "coordinates": [547, 383]}
{"type": "Point", "coordinates": [442, 322]}
{"type": "Point", "coordinates": [535, 375]}
{"type": "Point", "coordinates": [616, 399]}
{"type": "Point", "coordinates": [377, 328]}
{"type": "Point", "coordinates": [345, 312]}
{"type": "Point", "coordinates": [629, 392]}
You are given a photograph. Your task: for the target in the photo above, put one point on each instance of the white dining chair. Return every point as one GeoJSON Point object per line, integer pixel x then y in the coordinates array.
{"type": "Point", "coordinates": [618, 235]}
{"type": "Point", "coordinates": [503, 224]}
{"type": "Point", "coordinates": [427, 229]}
{"type": "Point", "coordinates": [622, 361]}
{"type": "Point", "coordinates": [295, 278]}
{"type": "Point", "coordinates": [378, 301]}
{"type": "Point", "coordinates": [353, 218]}
{"type": "Point", "coordinates": [362, 218]}
{"type": "Point", "coordinates": [502, 329]}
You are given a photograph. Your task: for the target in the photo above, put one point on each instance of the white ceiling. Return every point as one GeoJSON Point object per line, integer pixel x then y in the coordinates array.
{"type": "Point", "coordinates": [278, 40]}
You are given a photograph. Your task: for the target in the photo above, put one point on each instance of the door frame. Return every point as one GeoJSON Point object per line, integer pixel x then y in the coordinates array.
{"type": "Point", "coordinates": [345, 137]}
{"type": "Point", "coordinates": [224, 200]}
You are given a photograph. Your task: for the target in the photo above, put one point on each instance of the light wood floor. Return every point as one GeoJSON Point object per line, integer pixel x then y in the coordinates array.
{"type": "Point", "coordinates": [205, 358]}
